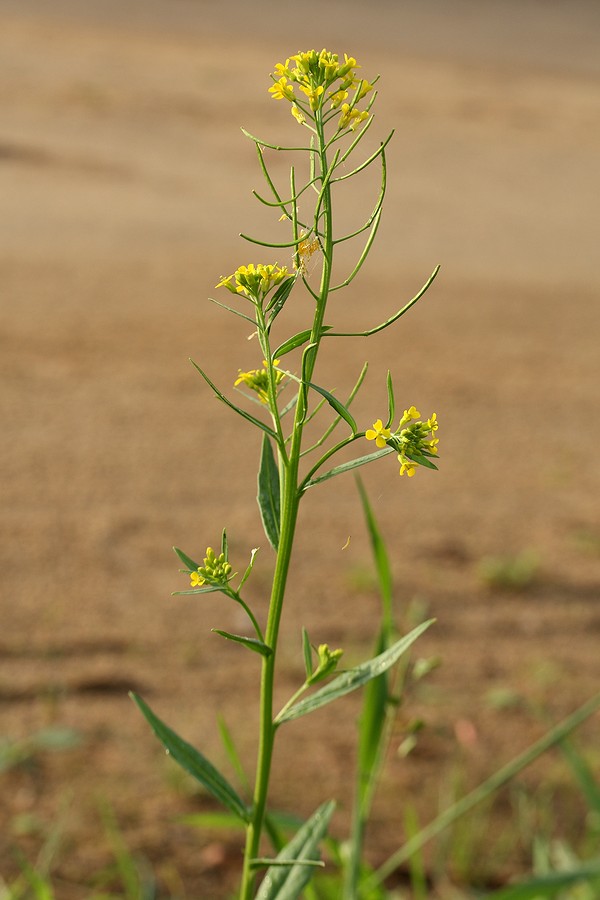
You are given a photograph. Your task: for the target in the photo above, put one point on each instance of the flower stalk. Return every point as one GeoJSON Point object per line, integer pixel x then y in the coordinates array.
{"type": "Point", "coordinates": [333, 104]}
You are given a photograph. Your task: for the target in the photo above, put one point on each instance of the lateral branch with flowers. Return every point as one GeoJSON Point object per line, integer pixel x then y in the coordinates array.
{"type": "Point", "coordinates": [332, 104]}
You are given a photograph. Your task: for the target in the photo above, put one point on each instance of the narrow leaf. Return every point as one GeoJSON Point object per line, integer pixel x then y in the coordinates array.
{"type": "Point", "coordinates": [224, 544]}
{"type": "Point", "coordinates": [193, 762]}
{"type": "Point", "coordinates": [268, 493]}
{"type": "Point", "coordinates": [241, 412]}
{"type": "Point", "coordinates": [354, 678]}
{"type": "Point", "coordinates": [251, 643]}
{"type": "Point", "coordinates": [287, 882]}
{"type": "Point", "coordinates": [186, 560]}
{"type": "Point", "coordinates": [348, 466]}
{"type": "Point", "coordinates": [277, 301]}
{"type": "Point", "coordinates": [307, 653]}
{"type": "Point", "coordinates": [308, 356]}
{"type": "Point", "coordinates": [295, 341]}
{"type": "Point", "coordinates": [208, 589]}
{"type": "Point", "coordinates": [231, 309]}
{"type": "Point", "coordinates": [337, 405]}
{"type": "Point", "coordinates": [391, 405]}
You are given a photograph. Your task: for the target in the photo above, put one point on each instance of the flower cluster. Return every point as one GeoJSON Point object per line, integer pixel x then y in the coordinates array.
{"type": "Point", "coordinates": [322, 78]}
{"type": "Point", "coordinates": [258, 380]}
{"type": "Point", "coordinates": [415, 443]}
{"type": "Point", "coordinates": [216, 570]}
{"type": "Point", "coordinates": [254, 281]}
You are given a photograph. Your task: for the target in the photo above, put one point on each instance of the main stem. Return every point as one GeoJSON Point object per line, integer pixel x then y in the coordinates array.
{"type": "Point", "coordinates": [290, 500]}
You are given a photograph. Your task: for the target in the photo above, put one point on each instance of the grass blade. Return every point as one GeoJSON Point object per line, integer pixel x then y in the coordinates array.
{"type": "Point", "coordinates": [551, 885]}
{"type": "Point", "coordinates": [553, 737]}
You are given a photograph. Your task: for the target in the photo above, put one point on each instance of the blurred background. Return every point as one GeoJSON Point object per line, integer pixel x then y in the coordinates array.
{"type": "Point", "coordinates": [125, 181]}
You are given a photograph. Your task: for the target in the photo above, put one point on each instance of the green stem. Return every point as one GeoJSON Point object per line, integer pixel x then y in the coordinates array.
{"type": "Point", "coordinates": [263, 337]}
{"type": "Point", "coordinates": [290, 499]}
{"type": "Point", "coordinates": [289, 513]}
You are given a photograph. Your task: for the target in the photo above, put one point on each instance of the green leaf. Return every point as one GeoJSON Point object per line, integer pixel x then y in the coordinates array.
{"type": "Point", "coordinates": [308, 358]}
{"type": "Point", "coordinates": [186, 560]}
{"type": "Point", "coordinates": [339, 407]}
{"type": "Point", "coordinates": [193, 762]}
{"type": "Point", "coordinates": [348, 466]}
{"type": "Point", "coordinates": [277, 301]}
{"type": "Point", "coordinates": [550, 885]}
{"type": "Point", "coordinates": [241, 412]}
{"type": "Point", "coordinates": [209, 589]}
{"type": "Point", "coordinates": [251, 643]}
{"type": "Point", "coordinates": [225, 544]}
{"type": "Point", "coordinates": [307, 653]}
{"type": "Point", "coordinates": [268, 493]}
{"type": "Point", "coordinates": [354, 678]}
{"type": "Point", "coordinates": [286, 880]}
{"type": "Point", "coordinates": [296, 341]}
{"type": "Point", "coordinates": [230, 309]}
{"type": "Point", "coordinates": [391, 405]}
{"type": "Point", "coordinates": [422, 460]}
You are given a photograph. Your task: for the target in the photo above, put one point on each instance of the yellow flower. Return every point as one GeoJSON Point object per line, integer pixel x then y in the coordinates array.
{"type": "Point", "coordinates": [337, 98]}
{"type": "Point", "coordinates": [432, 423]}
{"type": "Point", "coordinates": [283, 69]}
{"type": "Point", "coordinates": [378, 433]}
{"type": "Point", "coordinates": [314, 71]}
{"type": "Point", "coordinates": [216, 570]}
{"type": "Point", "coordinates": [364, 89]}
{"type": "Point", "coordinates": [226, 282]}
{"type": "Point", "coordinates": [304, 60]}
{"type": "Point", "coordinates": [281, 90]}
{"type": "Point", "coordinates": [408, 415]}
{"type": "Point", "coordinates": [258, 380]}
{"type": "Point", "coordinates": [313, 94]}
{"type": "Point", "coordinates": [351, 117]}
{"type": "Point", "coordinates": [408, 467]}
{"type": "Point", "coordinates": [349, 64]}
{"type": "Point", "coordinates": [255, 281]}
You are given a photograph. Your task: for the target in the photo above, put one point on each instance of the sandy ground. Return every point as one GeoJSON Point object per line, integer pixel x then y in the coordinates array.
{"type": "Point", "coordinates": [124, 182]}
